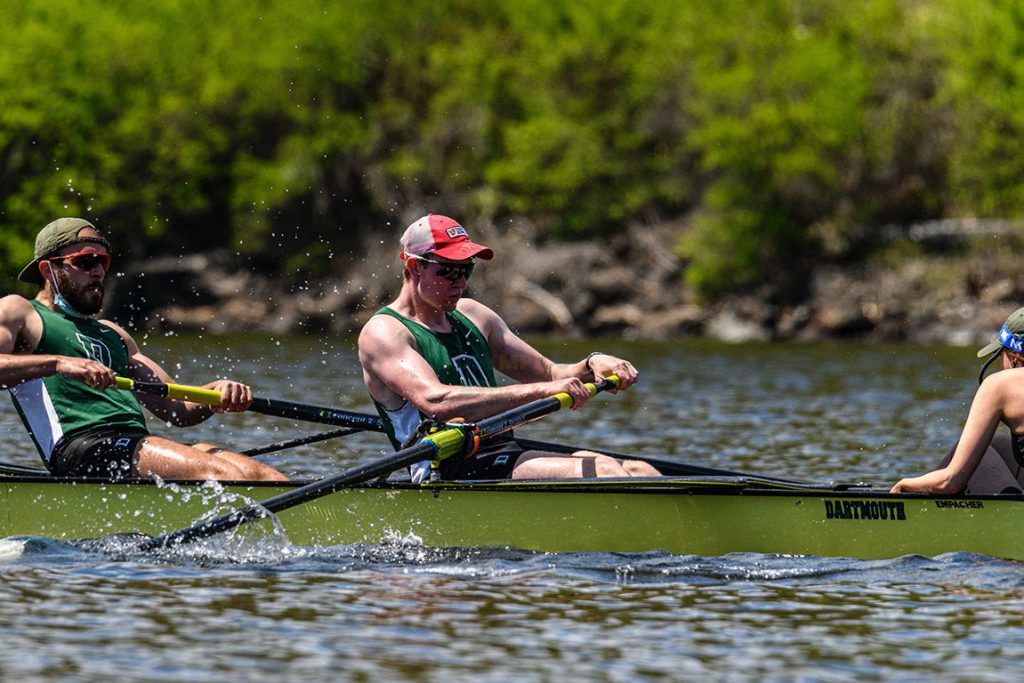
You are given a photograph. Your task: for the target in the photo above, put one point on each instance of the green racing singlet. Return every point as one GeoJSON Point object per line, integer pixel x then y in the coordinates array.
{"type": "Point", "coordinates": [460, 357]}
{"type": "Point", "coordinates": [56, 407]}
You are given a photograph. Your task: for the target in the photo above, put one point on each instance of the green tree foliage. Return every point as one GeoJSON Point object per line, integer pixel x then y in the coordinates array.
{"type": "Point", "coordinates": [281, 131]}
{"type": "Point", "coordinates": [984, 90]}
{"type": "Point", "coordinates": [800, 124]}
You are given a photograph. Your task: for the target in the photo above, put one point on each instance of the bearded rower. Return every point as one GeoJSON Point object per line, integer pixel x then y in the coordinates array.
{"type": "Point", "coordinates": [60, 365]}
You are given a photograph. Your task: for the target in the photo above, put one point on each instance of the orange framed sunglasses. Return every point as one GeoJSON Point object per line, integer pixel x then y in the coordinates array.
{"type": "Point", "coordinates": [85, 260]}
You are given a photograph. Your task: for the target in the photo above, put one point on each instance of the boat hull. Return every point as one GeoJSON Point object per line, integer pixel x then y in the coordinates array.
{"type": "Point", "coordinates": [701, 516]}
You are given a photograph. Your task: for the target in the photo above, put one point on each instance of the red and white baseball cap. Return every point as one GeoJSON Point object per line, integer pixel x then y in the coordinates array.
{"type": "Point", "coordinates": [434, 234]}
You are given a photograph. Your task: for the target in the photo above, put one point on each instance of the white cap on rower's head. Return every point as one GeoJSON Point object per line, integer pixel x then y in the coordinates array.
{"type": "Point", "coordinates": [1011, 336]}
{"type": "Point", "coordinates": [436, 234]}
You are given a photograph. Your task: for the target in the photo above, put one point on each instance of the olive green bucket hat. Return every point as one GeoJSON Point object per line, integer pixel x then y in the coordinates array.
{"type": "Point", "coordinates": [1011, 336]}
{"type": "Point", "coordinates": [54, 237]}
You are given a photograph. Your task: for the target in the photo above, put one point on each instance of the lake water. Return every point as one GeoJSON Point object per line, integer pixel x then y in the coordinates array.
{"type": "Point", "coordinates": [269, 611]}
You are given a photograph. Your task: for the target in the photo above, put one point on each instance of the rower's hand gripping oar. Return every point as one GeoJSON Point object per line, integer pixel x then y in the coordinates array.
{"type": "Point", "coordinates": [450, 440]}
{"type": "Point", "coordinates": [266, 406]}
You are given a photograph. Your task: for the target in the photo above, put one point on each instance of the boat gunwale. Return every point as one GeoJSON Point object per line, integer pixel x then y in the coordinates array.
{"type": "Point", "coordinates": [692, 485]}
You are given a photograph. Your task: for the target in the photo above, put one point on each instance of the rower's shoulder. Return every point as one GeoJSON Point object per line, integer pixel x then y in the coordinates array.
{"type": "Point", "coordinates": [383, 318]}
{"type": "Point", "coordinates": [15, 306]}
{"type": "Point", "coordinates": [21, 327]}
{"type": "Point", "coordinates": [10, 300]}
{"type": "Point", "coordinates": [1010, 381]}
{"type": "Point", "coordinates": [473, 309]}
{"type": "Point", "coordinates": [381, 328]}
{"type": "Point", "coordinates": [123, 333]}
{"type": "Point", "coordinates": [485, 318]}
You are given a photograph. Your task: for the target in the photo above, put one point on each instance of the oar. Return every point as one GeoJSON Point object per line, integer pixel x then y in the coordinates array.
{"type": "Point", "coordinates": [266, 406]}
{"type": "Point", "coordinates": [300, 441]}
{"type": "Point", "coordinates": [444, 443]}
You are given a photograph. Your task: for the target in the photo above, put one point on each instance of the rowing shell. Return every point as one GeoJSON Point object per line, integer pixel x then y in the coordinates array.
{"type": "Point", "coordinates": [701, 515]}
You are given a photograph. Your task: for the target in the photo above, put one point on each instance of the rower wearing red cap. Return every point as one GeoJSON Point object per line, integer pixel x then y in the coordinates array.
{"type": "Point", "coordinates": [432, 354]}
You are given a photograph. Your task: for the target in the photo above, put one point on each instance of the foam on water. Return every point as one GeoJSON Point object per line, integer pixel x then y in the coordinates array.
{"type": "Point", "coordinates": [11, 549]}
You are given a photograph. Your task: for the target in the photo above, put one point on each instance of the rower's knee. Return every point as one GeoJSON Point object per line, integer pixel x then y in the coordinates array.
{"type": "Point", "coordinates": [245, 469]}
{"type": "Point", "coordinates": [238, 467]}
{"type": "Point", "coordinates": [609, 467]}
{"type": "Point", "coordinates": [639, 468]}
{"type": "Point", "coordinates": [263, 472]}
{"type": "Point", "coordinates": [221, 470]}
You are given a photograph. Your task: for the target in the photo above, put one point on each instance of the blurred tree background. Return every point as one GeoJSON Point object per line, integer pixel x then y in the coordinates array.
{"type": "Point", "coordinates": [778, 132]}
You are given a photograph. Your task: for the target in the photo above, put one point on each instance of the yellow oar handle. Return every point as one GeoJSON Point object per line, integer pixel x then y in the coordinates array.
{"type": "Point", "coordinates": [181, 392]}
{"type": "Point", "coordinates": [566, 400]}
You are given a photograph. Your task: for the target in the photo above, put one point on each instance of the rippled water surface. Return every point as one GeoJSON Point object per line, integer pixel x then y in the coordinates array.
{"type": "Point", "coordinates": [252, 608]}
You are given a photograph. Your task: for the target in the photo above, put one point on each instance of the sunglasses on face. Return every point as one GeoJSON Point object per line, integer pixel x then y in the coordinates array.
{"type": "Point", "coordinates": [451, 271]}
{"type": "Point", "coordinates": [85, 260]}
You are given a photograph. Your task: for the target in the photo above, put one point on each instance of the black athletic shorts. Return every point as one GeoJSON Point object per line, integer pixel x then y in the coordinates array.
{"type": "Point", "coordinates": [104, 453]}
{"type": "Point", "coordinates": [494, 461]}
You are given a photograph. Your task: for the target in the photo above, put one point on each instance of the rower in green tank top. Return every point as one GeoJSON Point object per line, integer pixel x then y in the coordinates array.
{"type": "Point", "coordinates": [60, 365]}
{"type": "Point", "coordinates": [432, 354]}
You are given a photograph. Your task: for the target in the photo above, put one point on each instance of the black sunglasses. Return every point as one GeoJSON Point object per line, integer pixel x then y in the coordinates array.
{"type": "Point", "coordinates": [451, 271]}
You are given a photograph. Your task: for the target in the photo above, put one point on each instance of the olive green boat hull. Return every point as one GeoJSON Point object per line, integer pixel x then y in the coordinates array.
{"type": "Point", "coordinates": [701, 516]}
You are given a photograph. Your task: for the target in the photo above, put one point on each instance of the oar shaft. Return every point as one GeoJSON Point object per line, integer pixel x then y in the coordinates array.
{"type": "Point", "coordinates": [310, 413]}
{"type": "Point", "coordinates": [266, 406]}
{"type": "Point", "coordinates": [300, 441]}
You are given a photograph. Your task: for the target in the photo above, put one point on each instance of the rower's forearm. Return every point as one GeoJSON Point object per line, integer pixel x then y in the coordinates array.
{"type": "Point", "coordinates": [17, 369]}
{"type": "Point", "coordinates": [192, 414]}
{"type": "Point", "coordinates": [567, 370]}
{"type": "Point", "coordinates": [476, 403]}
{"type": "Point", "coordinates": [177, 413]}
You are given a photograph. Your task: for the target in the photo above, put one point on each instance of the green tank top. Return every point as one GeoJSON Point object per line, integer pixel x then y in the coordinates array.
{"type": "Point", "coordinates": [460, 357]}
{"type": "Point", "coordinates": [56, 407]}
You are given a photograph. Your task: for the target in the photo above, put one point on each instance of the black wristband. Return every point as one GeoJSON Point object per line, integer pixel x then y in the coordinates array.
{"type": "Point", "coordinates": [586, 363]}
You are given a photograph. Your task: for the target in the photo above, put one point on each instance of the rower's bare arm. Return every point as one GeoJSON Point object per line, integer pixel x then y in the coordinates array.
{"type": "Point", "coordinates": [987, 410]}
{"type": "Point", "coordinates": [511, 355]}
{"type": "Point", "coordinates": [20, 331]}
{"type": "Point", "coordinates": [520, 361]}
{"type": "Point", "coordinates": [16, 368]}
{"type": "Point", "coordinates": [395, 371]}
{"type": "Point", "coordinates": [179, 413]}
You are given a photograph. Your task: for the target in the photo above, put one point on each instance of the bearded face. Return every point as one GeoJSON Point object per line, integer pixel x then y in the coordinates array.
{"type": "Point", "coordinates": [86, 298]}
